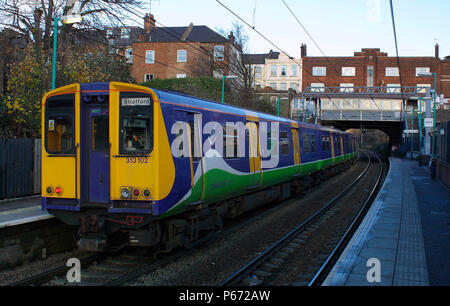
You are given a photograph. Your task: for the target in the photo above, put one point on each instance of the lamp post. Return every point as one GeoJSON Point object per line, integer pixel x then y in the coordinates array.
{"type": "Point", "coordinates": [68, 19]}
{"type": "Point", "coordinates": [278, 105]}
{"type": "Point", "coordinates": [223, 84]}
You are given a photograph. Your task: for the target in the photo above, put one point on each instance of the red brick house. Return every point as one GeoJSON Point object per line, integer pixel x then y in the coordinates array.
{"type": "Point", "coordinates": [177, 52]}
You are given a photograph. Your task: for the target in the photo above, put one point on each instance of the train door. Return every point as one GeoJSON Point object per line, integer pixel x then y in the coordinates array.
{"type": "Point", "coordinates": [295, 142]}
{"type": "Point", "coordinates": [254, 154]}
{"type": "Point", "coordinates": [97, 148]}
{"type": "Point", "coordinates": [194, 131]}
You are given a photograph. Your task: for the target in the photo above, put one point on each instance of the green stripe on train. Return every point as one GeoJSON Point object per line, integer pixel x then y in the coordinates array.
{"type": "Point", "coordinates": [221, 185]}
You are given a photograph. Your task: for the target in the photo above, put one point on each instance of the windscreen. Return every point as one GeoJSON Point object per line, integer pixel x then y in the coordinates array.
{"type": "Point", "coordinates": [136, 123]}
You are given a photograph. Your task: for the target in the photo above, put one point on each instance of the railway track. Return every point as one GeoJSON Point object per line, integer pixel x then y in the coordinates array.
{"type": "Point", "coordinates": [112, 269]}
{"type": "Point", "coordinates": [260, 269]}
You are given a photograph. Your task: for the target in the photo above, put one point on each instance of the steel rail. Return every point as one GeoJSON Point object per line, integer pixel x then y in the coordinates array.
{"type": "Point", "coordinates": [326, 267]}
{"type": "Point", "coordinates": [261, 258]}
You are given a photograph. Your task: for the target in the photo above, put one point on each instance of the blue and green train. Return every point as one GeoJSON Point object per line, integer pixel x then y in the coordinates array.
{"type": "Point", "coordinates": [130, 165]}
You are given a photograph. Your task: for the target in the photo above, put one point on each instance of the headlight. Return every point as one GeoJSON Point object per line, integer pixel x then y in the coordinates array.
{"type": "Point", "coordinates": [125, 193]}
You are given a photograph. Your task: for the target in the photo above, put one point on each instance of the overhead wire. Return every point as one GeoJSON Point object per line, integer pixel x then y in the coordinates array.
{"type": "Point", "coordinates": [273, 44]}
{"type": "Point", "coordinates": [318, 47]}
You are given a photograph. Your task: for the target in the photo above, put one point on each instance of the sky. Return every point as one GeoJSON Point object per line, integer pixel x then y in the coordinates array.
{"type": "Point", "coordinates": [339, 27]}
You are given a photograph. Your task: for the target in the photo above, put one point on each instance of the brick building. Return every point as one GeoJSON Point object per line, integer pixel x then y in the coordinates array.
{"type": "Point", "coordinates": [372, 68]}
{"type": "Point", "coordinates": [178, 52]}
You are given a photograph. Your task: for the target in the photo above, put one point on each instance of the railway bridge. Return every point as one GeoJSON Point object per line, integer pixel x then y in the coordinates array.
{"type": "Point", "coordinates": [389, 109]}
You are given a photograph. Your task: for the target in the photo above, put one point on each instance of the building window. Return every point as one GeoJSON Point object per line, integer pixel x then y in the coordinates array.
{"type": "Point", "coordinates": [283, 86]}
{"type": "Point", "coordinates": [149, 56]}
{"type": "Point", "coordinates": [370, 74]}
{"type": "Point", "coordinates": [420, 70]}
{"type": "Point", "coordinates": [392, 72]}
{"type": "Point", "coordinates": [293, 86]}
{"type": "Point", "coordinates": [181, 56]}
{"type": "Point", "coordinates": [273, 70]}
{"type": "Point", "coordinates": [219, 53]}
{"type": "Point", "coordinates": [422, 89]}
{"type": "Point", "coordinates": [283, 70]}
{"type": "Point", "coordinates": [181, 76]}
{"type": "Point", "coordinates": [129, 55]}
{"type": "Point", "coordinates": [346, 87]}
{"type": "Point", "coordinates": [109, 33]}
{"type": "Point", "coordinates": [393, 88]}
{"type": "Point", "coordinates": [348, 71]}
{"type": "Point", "coordinates": [258, 72]}
{"type": "Point", "coordinates": [294, 70]}
{"type": "Point", "coordinates": [319, 71]}
{"type": "Point", "coordinates": [148, 77]}
{"type": "Point", "coordinates": [317, 87]}
{"type": "Point", "coordinates": [273, 85]}
{"type": "Point", "coordinates": [124, 33]}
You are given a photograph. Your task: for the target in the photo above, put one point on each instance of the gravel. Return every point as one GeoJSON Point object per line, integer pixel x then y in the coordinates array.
{"type": "Point", "coordinates": [36, 267]}
{"type": "Point", "coordinates": [216, 261]}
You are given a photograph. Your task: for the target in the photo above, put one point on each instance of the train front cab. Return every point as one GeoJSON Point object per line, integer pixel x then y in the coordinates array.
{"type": "Point", "coordinates": [100, 161]}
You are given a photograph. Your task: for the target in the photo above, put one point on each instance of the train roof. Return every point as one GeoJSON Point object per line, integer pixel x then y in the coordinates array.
{"type": "Point", "coordinates": [182, 98]}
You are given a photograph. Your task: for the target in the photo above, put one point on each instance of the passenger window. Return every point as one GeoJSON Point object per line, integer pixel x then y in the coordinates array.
{"type": "Point", "coordinates": [232, 143]}
{"type": "Point", "coordinates": [306, 144]}
{"type": "Point", "coordinates": [313, 143]}
{"type": "Point", "coordinates": [284, 143]}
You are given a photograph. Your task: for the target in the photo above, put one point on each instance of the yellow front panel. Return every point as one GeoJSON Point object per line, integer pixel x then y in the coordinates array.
{"type": "Point", "coordinates": [61, 171]}
{"type": "Point", "coordinates": [158, 172]}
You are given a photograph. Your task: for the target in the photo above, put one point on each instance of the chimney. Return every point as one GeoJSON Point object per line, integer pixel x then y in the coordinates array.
{"type": "Point", "coordinates": [149, 22]}
{"type": "Point", "coordinates": [231, 38]}
{"type": "Point", "coordinates": [436, 51]}
{"type": "Point", "coordinates": [303, 50]}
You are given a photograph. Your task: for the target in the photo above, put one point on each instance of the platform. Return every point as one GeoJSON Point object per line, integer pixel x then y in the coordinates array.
{"type": "Point", "coordinates": [19, 211]}
{"type": "Point", "coordinates": [406, 230]}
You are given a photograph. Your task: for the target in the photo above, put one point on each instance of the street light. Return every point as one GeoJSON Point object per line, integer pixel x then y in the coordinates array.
{"type": "Point", "coordinates": [68, 19]}
{"type": "Point", "coordinates": [223, 83]}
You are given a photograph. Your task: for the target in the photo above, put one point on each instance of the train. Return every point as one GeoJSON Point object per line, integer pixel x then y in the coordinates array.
{"type": "Point", "coordinates": [130, 165]}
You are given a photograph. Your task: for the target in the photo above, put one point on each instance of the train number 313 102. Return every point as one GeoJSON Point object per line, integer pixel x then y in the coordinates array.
{"type": "Point", "coordinates": [137, 160]}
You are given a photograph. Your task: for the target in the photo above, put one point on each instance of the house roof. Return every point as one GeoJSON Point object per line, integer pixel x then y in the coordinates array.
{"type": "Point", "coordinates": [255, 59]}
{"type": "Point", "coordinates": [173, 34]}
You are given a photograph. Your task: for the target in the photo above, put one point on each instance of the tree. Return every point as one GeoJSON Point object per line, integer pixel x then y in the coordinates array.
{"type": "Point", "coordinates": [243, 86]}
{"type": "Point", "coordinates": [22, 102]}
{"type": "Point", "coordinates": [34, 19]}
{"type": "Point", "coordinates": [82, 54]}
{"type": "Point", "coordinates": [29, 80]}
